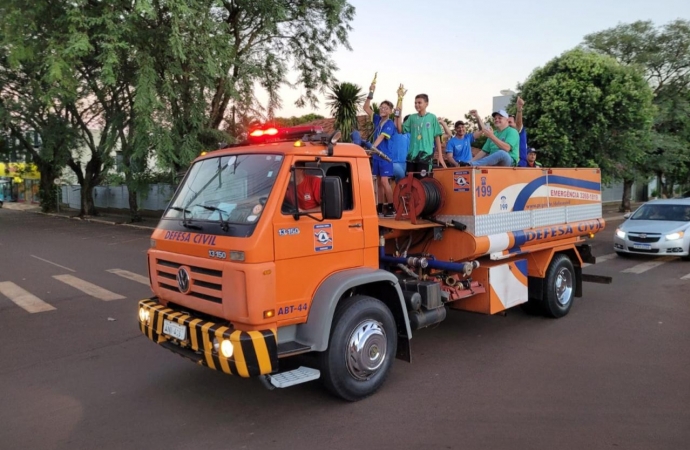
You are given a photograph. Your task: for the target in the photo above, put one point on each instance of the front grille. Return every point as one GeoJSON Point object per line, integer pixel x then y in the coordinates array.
{"type": "Point", "coordinates": [647, 239]}
{"type": "Point", "coordinates": [206, 283]}
{"type": "Point", "coordinates": [652, 250]}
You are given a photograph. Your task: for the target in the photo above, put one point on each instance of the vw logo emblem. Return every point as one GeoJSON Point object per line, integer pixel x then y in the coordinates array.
{"type": "Point", "coordinates": [183, 281]}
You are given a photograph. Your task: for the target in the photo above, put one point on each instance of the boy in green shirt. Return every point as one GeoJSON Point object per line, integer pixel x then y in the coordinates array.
{"type": "Point", "coordinates": [425, 134]}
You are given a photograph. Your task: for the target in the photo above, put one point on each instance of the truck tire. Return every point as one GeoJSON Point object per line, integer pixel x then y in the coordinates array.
{"type": "Point", "coordinates": [361, 348]}
{"type": "Point", "coordinates": [560, 287]}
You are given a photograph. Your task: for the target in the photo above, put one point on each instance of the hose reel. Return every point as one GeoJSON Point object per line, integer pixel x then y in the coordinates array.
{"type": "Point", "coordinates": [415, 198]}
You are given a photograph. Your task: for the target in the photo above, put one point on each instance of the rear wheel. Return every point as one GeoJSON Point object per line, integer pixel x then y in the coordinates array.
{"type": "Point", "coordinates": [361, 348]}
{"type": "Point", "coordinates": [560, 287]}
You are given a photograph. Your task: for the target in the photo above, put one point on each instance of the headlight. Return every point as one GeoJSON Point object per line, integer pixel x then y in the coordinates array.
{"type": "Point", "coordinates": [674, 236]}
{"type": "Point", "coordinates": [144, 315]}
{"type": "Point", "coordinates": [620, 233]}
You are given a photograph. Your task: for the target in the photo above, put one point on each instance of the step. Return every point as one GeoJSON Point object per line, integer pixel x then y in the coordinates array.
{"type": "Point", "coordinates": [300, 375]}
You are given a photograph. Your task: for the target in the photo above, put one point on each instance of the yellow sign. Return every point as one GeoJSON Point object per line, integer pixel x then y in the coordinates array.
{"type": "Point", "coordinates": [19, 171]}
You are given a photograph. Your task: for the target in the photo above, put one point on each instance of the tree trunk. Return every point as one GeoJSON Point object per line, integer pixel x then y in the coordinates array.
{"type": "Point", "coordinates": [133, 206]}
{"type": "Point", "coordinates": [47, 190]}
{"type": "Point", "coordinates": [627, 192]}
{"type": "Point", "coordinates": [88, 207]}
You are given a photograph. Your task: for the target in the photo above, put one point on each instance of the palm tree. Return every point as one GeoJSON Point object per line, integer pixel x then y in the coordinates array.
{"type": "Point", "coordinates": [344, 101]}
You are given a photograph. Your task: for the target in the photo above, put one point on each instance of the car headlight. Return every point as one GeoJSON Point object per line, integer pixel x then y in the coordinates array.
{"type": "Point", "coordinates": [674, 236]}
{"type": "Point", "coordinates": [620, 233]}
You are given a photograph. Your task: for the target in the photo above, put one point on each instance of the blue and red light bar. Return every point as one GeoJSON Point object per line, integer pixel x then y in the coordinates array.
{"type": "Point", "coordinates": [273, 134]}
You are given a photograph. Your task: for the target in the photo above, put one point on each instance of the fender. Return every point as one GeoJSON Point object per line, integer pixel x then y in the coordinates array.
{"type": "Point", "coordinates": [316, 331]}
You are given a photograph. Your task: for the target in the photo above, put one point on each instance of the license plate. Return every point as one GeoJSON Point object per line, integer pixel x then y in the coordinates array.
{"type": "Point", "coordinates": [175, 330]}
{"type": "Point", "coordinates": [642, 246]}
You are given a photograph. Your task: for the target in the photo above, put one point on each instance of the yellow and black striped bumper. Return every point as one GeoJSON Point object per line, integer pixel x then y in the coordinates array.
{"type": "Point", "coordinates": [254, 352]}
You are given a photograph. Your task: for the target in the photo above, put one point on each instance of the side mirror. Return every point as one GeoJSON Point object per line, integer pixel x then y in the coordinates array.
{"type": "Point", "coordinates": [627, 215]}
{"type": "Point", "coordinates": [331, 198]}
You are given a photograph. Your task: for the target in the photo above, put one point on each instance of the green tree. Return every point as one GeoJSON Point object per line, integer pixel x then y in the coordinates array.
{"type": "Point", "coordinates": [294, 120]}
{"type": "Point", "coordinates": [345, 100]}
{"type": "Point", "coordinates": [26, 109]}
{"type": "Point", "coordinates": [64, 54]}
{"type": "Point", "coordinates": [198, 58]}
{"type": "Point", "coordinates": [584, 109]}
{"type": "Point", "coordinates": [663, 53]}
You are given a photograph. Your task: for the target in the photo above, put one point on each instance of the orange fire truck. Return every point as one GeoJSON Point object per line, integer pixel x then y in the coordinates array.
{"type": "Point", "coordinates": [245, 278]}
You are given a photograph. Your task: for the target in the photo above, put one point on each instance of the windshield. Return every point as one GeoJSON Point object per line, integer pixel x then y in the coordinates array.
{"type": "Point", "coordinates": [675, 213]}
{"type": "Point", "coordinates": [230, 190]}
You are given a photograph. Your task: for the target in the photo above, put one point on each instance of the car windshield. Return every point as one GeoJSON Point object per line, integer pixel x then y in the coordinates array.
{"type": "Point", "coordinates": [228, 189]}
{"type": "Point", "coordinates": [675, 213]}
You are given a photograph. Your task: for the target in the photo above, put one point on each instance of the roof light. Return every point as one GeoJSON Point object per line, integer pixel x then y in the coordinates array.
{"type": "Point", "coordinates": [273, 134]}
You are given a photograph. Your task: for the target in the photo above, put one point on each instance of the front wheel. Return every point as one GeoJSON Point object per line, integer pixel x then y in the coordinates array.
{"type": "Point", "coordinates": [361, 348]}
{"type": "Point", "coordinates": [560, 287]}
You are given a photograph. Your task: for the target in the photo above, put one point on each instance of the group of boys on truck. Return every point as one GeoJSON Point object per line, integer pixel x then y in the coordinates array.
{"type": "Point", "coordinates": [274, 248]}
{"type": "Point", "coordinates": [422, 134]}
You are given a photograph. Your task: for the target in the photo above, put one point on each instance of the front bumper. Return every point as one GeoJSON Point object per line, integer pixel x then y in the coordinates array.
{"type": "Point", "coordinates": [664, 247]}
{"type": "Point", "coordinates": [254, 352]}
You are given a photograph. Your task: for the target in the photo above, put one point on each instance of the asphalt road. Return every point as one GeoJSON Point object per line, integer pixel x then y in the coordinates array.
{"type": "Point", "coordinates": [77, 374]}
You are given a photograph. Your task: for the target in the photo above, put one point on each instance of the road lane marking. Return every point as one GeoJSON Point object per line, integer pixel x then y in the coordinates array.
{"type": "Point", "coordinates": [128, 240]}
{"type": "Point", "coordinates": [24, 299]}
{"type": "Point", "coordinates": [686, 277]}
{"type": "Point", "coordinates": [601, 259]}
{"type": "Point", "coordinates": [130, 276]}
{"type": "Point", "coordinates": [649, 265]}
{"type": "Point", "coordinates": [88, 288]}
{"type": "Point", "coordinates": [55, 264]}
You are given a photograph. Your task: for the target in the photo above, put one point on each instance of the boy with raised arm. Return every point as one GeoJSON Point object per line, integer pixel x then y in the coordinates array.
{"type": "Point", "coordinates": [384, 130]}
{"type": "Point", "coordinates": [425, 134]}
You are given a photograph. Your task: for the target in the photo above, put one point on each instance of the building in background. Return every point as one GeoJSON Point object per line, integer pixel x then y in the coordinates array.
{"type": "Point", "coordinates": [502, 101]}
{"type": "Point", "coordinates": [19, 177]}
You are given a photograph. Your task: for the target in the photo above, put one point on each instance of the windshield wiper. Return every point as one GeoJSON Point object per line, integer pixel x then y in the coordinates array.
{"type": "Point", "coordinates": [223, 224]}
{"type": "Point", "coordinates": [185, 223]}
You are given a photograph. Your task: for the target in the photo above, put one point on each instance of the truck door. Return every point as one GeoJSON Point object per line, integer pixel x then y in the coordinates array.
{"type": "Point", "coordinates": [309, 249]}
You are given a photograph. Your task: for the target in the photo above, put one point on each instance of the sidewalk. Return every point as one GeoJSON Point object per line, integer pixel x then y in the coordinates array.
{"type": "Point", "coordinates": [150, 221]}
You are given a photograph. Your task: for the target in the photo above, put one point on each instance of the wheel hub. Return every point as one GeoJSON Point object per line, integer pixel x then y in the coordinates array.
{"type": "Point", "coordinates": [366, 349]}
{"type": "Point", "coordinates": [564, 286]}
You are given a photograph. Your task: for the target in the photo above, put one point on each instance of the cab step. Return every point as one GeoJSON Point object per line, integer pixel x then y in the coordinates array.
{"type": "Point", "coordinates": [290, 378]}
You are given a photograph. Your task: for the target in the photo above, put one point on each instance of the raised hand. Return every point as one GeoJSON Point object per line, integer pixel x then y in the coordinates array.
{"type": "Point", "coordinates": [520, 102]}
{"type": "Point", "coordinates": [401, 91]}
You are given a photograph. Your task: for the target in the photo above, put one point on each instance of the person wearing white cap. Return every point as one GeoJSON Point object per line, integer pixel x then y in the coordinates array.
{"type": "Point", "coordinates": [501, 148]}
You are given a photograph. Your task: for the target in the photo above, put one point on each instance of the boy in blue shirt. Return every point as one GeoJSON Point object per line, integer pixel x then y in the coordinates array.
{"type": "Point", "coordinates": [384, 130]}
{"type": "Point", "coordinates": [399, 144]}
{"type": "Point", "coordinates": [459, 147]}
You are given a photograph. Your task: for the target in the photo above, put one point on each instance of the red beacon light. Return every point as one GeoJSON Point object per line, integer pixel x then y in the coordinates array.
{"type": "Point", "coordinates": [272, 134]}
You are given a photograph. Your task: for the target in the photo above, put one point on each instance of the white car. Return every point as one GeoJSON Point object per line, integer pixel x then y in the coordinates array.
{"type": "Point", "coordinates": [659, 227]}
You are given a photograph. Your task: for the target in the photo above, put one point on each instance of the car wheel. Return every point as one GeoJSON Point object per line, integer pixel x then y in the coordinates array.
{"type": "Point", "coordinates": [361, 348]}
{"type": "Point", "coordinates": [560, 287]}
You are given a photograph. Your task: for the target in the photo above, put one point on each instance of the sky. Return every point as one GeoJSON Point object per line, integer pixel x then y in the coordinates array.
{"type": "Point", "coordinates": [462, 54]}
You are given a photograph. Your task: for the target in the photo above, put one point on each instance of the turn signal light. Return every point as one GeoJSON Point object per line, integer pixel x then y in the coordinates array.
{"type": "Point", "coordinates": [269, 313]}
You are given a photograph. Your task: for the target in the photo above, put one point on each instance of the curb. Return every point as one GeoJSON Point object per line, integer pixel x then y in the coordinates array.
{"type": "Point", "coordinates": [101, 221]}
